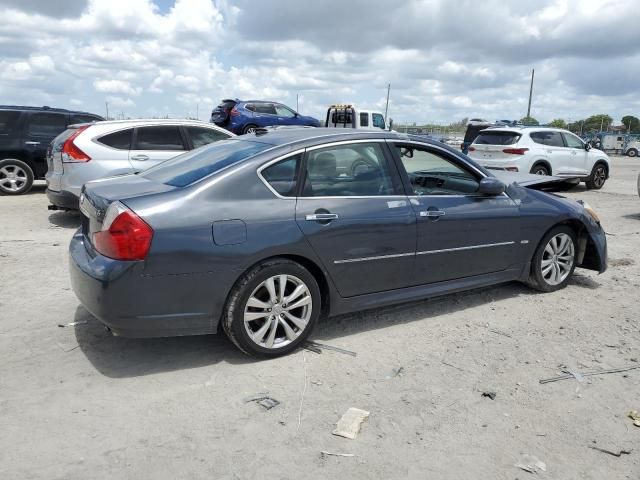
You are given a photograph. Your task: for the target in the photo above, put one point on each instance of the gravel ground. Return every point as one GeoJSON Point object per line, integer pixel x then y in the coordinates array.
{"type": "Point", "coordinates": [77, 403]}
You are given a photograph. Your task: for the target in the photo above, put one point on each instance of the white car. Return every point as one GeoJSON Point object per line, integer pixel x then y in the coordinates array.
{"type": "Point", "coordinates": [543, 151]}
{"type": "Point", "coordinates": [86, 152]}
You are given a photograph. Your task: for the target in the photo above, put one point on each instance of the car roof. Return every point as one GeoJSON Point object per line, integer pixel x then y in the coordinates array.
{"type": "Point", "coordinates": [43, 109]}
{"type": "Point", "coordinates": [160, 121]}
{"type": "Point", "coordinates": [525, 129]}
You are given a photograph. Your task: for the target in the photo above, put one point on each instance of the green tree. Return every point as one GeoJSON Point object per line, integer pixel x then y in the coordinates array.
{"type": "Point", "coordinates": [597, 122]}
{"type": "Point", "coordinates": [632, 123]}
{"type": "Point", "coordinates": [558, 123]}
{"type": "Point", "coordinates": [529, 121]}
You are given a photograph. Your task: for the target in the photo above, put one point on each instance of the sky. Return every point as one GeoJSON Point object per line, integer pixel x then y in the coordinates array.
{"type": "Point", "coordinates": [445, 60]}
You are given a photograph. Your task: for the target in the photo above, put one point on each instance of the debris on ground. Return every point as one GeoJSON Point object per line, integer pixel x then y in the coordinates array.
{"type": "Point", "coordinates": [335, 454]}
{"type": "Point", "coordinates": [349, 424]}
{"type": "Point", "coordinates": [620, 262]}
{"type": "Point", "coordinates": [328, 347]}
{"type": "Point", "coordinates": [311, 348]}
{"type": "Point", "coordinates": [493, 330]}
{"type": "Point", "coordinates": [491, 395]}
{"type": "Point", "coordinates": [635, 416]}
{"type": "Point", "coordinates": [531, 464]}
{"type": "Point", "coordinates": [619, 453]}
{"type": "Point", "coordinates": [396, 372]}
{"type": "Point", "coordinates": [263, 399]}
{"type": "Point", "coordinates": [588, 374]}
{"type": "Point", "coordinates": [72, 324]}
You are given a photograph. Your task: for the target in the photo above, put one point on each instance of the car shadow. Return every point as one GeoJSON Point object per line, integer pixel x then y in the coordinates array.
{"type": "Point", "coordinates": [39, 187]}
{"type": "Point", "coordinates": [70, 219]}
{"type": "Point", "coordinates": [632, 216]}
{"type": "Point", "coordinates": [118, 357]}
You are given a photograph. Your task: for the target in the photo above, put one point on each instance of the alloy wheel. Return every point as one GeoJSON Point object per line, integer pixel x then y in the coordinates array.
{"type": "Point", "coordinates": [557, 259]}
{"type": "Point", "coordinates": [599, 176]}
{"type": "Point", "coordinates": [13, 178]}
{"type": "Point", "coordinates": [278, 311]}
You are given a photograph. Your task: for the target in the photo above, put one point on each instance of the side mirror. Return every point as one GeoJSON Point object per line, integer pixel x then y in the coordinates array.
{"type": "Point", "coordinates": [390, 123]}
{"type": "Point", "coordinates": [587, 146]}
{"type": "Point", "coordinates": [491, 186]}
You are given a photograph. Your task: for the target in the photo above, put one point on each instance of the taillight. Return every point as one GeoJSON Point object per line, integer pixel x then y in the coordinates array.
{"type": "Point", "coordinates": [71, 152]}
{"type": "Point", "coordinates": [124, 235]}
{"type": "Point", "coordinates": [472, 149]}
{"type": "Point", "coordinates": [515, 151]}
{"type": "Point", "coordinates": [233, 112]}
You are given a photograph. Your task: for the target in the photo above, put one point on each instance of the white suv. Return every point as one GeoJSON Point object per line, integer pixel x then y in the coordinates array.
{"type": "Point", "coordinates": [87, 152]}
{"type": "Point", "coordinates": [541, 150]}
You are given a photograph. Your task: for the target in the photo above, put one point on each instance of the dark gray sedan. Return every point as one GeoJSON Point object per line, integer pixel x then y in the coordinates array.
{"type": "Point", "coordinates": [264, 233]}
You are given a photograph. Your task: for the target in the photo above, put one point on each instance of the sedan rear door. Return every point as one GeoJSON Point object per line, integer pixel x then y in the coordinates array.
{"type": "Point", "coordinates": [154, 144]}
{"type": "Point", "coordinates": [353, 212]}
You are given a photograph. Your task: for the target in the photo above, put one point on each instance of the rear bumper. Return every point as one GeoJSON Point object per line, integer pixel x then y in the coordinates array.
{"type": "Point", "coordinates": [131, 303]}
{"type": "Point", "coordinates": [63, 200]}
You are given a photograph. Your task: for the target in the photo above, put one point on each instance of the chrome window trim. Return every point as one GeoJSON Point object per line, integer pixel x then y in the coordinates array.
{"type": "Point", "coordinates": [346, 142]}
{"type": "Point", "coordinates": [426, 252]}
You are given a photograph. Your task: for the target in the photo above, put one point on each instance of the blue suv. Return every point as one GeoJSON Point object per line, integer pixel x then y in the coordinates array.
{"type": "Point", "coordinates": [239, 116]}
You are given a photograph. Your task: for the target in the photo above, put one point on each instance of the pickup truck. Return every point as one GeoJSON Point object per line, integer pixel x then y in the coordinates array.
{"type": "Point", "coordinates": [348, 116]}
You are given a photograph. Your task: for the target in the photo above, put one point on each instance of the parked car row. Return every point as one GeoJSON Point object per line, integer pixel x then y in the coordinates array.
{"type": "Point", "coordinates": [538, 150]}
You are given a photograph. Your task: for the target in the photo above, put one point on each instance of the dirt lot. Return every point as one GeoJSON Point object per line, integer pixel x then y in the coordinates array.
{"type": "Point", "coordinates": [77, 403]}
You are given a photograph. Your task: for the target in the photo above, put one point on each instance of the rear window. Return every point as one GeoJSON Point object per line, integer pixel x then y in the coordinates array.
{"type": "Point", "coordinates": [8, 121]}
{"type": "Point", "coordinates": [497, 138]}
{"type": "Point", "coordinates": [186, 169]}
{"type": "Point", "coordinates": [340, 116]}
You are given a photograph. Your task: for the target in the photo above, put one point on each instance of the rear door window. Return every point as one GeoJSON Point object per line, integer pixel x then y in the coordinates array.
{"type": "Point", "coordinates": [497, 138]}
{"type": "Point", "coordinates": [46, 124]}
{"type": "Point", "coordinates": [552, 139]}
{"type": "Point", "coordinates": [364, 119]}
{"type": "Point", "coordinates": [165, 137]}
{"type": "Point", "coordinates": [8, 120]}
{"type": "Point", "coordinates": [265, 108]}
{"type": "Point", "coordinates": [378, 120]}
{"type": "Point", "coordinates": [119, 140]}
{"type": "Point", "coordinates": [201, 136]}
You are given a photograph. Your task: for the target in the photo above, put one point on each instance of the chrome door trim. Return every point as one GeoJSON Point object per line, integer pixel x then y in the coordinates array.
{"type": "Point", "coordinates": [315, 217]}
{"type": "Point", "coordinates": [378, 257]}
{"type": "Point", "coordinates": [470, 247]}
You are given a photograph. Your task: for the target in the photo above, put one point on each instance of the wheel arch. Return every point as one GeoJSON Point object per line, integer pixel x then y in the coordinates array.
{"type": "Point", "coordinates": [541, 161]}
{"type": "Point", "coordinates": [604, 162]}
{"type": "Point", "coordinates": [587, 255]}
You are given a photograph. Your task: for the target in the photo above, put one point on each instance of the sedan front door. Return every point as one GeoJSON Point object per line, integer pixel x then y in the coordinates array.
{"type": "Point", "coordinates": [460, 233]}
{"type": "Point", "coordinates": [357, 219]}
{"type": "Point", "coordinates": [154, 144]}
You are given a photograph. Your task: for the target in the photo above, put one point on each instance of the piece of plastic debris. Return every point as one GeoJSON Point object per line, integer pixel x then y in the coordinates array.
{"type": "Point", "coordinates": [588, 374]}
{"type": "Point", "coordinates": [531, 464]}
{"type": "Point", "coordinates": [256, 397]}
{"type": "Point", "coordinates": [268, 403]}
{"type": "Point", "coordinates": [577, 375]}
{"type": "Point", "coordinates": [619, 453]}
{"type": "Point", "coordinates": [335, 454]}
{"type": "Point", "coordinates": [349, 424]}
{"type": "Point", "coordinates": [330, 347]}
{"type": "Point", "coordinates": [635, 416]}
{"type": "Point", "coordinates": [72, 324]}
{"type": "Point", "coordinates": [491, 395]}
{"type": "Point", "coordinates": [311, 348]}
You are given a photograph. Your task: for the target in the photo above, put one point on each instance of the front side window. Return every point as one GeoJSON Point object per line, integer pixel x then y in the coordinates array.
{"type": "Point", "coordinates": [190, 167]}
{"type": "Point", "coordinates": [378, 120]}
{"type": "Point", "coordinates": [573, 141]}
{"type": "Point", "coordinates": [432, 173]}
{"type": "Point", "coordinates": [364, 119]}
{"type": "Point", "coordinates": [204, 136]}
{"type": "Point", "coordinates": [552, 139]}
{"type": "Point", "coordinates": [283, 111]}
{"type": "Point", "coordinates": [159, 138]}
{"type": "Point", "coordinates": [47, 124]}
{"type": "Point", "coordinates": [119, 140]}
{"type": "Point", "coordinates": [358, 169]}
{"type": "Point", "coordinates": [283, 176]}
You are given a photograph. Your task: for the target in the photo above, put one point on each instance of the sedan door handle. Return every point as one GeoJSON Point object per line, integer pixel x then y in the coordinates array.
{"type": "Point", "coordinates": [432, 213]}
{"type": "Point", "coordinates": [32, 143]}
{"type": "Point", "coordinates": [321, 217]}
{"type": "Point", "coordinates": [140, 158]}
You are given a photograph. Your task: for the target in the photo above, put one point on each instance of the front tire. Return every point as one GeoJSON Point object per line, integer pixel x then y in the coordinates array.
{"type": "Point", "coordinates": [598, 177]}
{"type": "Point", "coordinates": [554, 260]}
{"type": "Point", "coordinates": [16, 177]}
{"type": "Point", "coordinates": [251, 128]}
{"type": "Point", "coordinates": [272, 309]}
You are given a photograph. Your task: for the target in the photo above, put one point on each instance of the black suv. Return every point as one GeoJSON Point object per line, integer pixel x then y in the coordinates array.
{"type": "Point", "coordinates": [25, 134]}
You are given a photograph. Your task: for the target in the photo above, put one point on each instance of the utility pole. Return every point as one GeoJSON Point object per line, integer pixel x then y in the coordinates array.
{"type": "Point", "coordinates": [386, 109]}
{"type": "Point", "coordinates": [106, 104]}
{"type": "Point", "coordinates": [530, 93]}
{"type": "Point", "coordinates": [198, 111]}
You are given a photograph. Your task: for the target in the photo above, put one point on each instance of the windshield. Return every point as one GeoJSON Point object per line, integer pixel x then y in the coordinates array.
{"type": "Point", "coordinates": [190, 167]}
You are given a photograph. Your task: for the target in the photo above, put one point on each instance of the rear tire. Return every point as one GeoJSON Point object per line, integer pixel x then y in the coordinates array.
{"type": "Point", "coordinates": [540, 169]}
{"type": "Point", "coordinates": [598, 177]}
{"type": "Point", "coordinates": [16, 177]}
{"type": "Point", "coordinates": [632, 152]}
{"type": "Point", "coordinates": [251, 128]}
{"type": "Point", "coordinates": [554, 261]}
{"type": "Point", "coordinates": [272, 309]}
